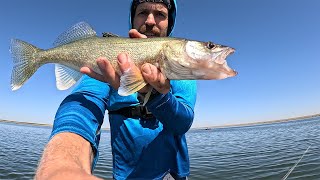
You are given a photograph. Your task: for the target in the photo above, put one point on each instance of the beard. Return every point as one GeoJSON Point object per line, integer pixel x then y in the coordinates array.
{"type": "Point", "coordinates": [151, 31]}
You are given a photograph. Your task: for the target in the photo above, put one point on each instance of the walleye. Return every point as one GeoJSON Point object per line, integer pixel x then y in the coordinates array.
{"type": "Point", "coordinates": [79, 46]}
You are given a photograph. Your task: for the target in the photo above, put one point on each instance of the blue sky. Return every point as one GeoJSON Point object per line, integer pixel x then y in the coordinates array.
{"type": "Point", "coordinates": [276, 42]}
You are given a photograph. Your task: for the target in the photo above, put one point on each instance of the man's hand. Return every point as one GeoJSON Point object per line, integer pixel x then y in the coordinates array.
{"type": "Point", "coordinates": [155, 78]}
{"type": "Point", "coordinates": [150, 73]}
{"type": "Point", "coordinates": [109, 75]}
{"type": "Point", "coordinates": [133, 33]}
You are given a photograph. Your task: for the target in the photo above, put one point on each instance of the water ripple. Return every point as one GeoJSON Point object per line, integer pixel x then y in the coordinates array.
{"type": "Point", "coordinates": [255, 152]}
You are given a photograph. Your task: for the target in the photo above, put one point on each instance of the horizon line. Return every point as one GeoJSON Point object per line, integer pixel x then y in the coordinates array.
{"type": "Point", "coordinates": [205, 127]}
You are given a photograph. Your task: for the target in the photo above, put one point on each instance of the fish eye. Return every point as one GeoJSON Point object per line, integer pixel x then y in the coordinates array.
{"type": "Point", "coordinates": [210, 45]}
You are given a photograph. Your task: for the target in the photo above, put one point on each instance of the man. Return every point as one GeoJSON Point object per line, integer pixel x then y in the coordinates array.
{"type": "Point", "coordinates": [144, 145]}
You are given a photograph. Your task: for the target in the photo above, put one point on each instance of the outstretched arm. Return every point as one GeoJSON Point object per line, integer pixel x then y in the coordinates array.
{"type": "Point", "coordinates": [73, 148]}
{"type": "Point", "coordinates": [66, 156]}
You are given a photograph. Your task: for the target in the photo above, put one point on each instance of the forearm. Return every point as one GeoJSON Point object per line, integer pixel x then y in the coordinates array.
{"type": "Point", "coordinates": [80, 113]}
{"type": "Point", "coordinates": [79, 116]}
{"type": "Point", "coordinates": [72, 174]}
{"type": "Point", "coordinates": [174, 115]}
{"type": "Point", "coordinates": [175, 109]}
{"type": "Point", "coordinates": [66, 156]}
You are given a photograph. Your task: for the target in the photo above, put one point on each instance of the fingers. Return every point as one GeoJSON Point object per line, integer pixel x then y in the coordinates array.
{"type": "Point", "coordinates": [133, 33]}
{"type": "Point", "coordinates": [124, 62]}
{"type": "Point", "coordinates": [155, 78]}
{"type": "Point", "coordinates": [150, 73]}
{"type": "Point", "coordinates": [91, 73]}
{"type": "Point", "coordinates": [108, 74]}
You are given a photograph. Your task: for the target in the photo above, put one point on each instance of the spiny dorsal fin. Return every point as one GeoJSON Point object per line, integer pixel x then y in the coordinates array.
{"type": "Point", "coordinates": [79, 31]}
{"type": "Point", "coordinates": [109, 34]}
{"type": "Point", "coordinates": [66, 77]}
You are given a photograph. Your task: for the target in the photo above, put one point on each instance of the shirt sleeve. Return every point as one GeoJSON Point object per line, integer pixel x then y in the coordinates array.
{"type": "Point", "coordinates": [175, 110]}
{"type": "Point", "coordinates": [82, 112]}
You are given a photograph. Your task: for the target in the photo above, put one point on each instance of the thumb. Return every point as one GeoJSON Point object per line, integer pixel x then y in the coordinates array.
{"type": "Point", "coordinates": [133, 33]}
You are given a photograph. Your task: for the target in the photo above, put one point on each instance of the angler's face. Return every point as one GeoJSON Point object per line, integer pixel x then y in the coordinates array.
{"type": "Point", "coordinates": [151, 19]}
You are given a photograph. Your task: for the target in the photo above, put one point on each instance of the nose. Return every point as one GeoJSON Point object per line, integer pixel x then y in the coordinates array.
{"type": "Point", "coordinates": [150, 20]}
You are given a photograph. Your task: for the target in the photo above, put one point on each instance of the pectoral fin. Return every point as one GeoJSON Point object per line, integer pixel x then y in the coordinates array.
{"type": "Point", "coordinates": [131, 81]}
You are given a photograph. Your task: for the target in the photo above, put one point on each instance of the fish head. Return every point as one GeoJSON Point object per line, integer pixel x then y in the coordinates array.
{"type": "Point", "coordinates": [202, 60]}
{"type": "Point", "coordinates": [209, 60]}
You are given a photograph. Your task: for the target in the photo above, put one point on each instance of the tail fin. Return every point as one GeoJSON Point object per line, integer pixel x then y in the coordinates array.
{"type": "Point", "coordinates": [24, 61]}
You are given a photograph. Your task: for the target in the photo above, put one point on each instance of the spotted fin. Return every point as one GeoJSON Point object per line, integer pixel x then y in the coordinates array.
{"type": "Point", "coordinates": [131, 81]}
{"type": "Point", "coordinates": [79, 31]}
{"type": "Point", "coordinates": [66, 77]}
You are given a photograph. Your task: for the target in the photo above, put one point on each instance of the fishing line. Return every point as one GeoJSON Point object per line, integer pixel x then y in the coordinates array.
{"type": "Point", "coordinates": [290, 171]}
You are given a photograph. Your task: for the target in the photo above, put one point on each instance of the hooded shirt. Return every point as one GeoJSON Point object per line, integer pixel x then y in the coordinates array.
{"type": "Point", "coordinates": [172, 12]}
{"type": "Point", "coordinates": [141, 148]}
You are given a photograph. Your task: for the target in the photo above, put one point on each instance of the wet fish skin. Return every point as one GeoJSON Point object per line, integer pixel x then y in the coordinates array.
{"type": "Point", "coordinates": [79, 46]}
{"type": "Point", "coordinates": [86, 51]}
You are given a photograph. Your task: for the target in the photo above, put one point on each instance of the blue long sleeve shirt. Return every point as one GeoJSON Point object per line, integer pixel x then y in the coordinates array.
{"type": "Point", "coordinates": [141, 148]}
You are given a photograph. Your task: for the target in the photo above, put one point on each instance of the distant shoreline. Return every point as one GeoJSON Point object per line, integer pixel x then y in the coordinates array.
{"type": "Point", "coordinates": [260, 123]}
{"type": "Point", "coordinates": [24, 123]}
{"type": "Point", "coordinates": [201, 128]}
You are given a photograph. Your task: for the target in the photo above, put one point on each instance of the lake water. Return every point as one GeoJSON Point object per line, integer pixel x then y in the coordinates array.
{"type": "Point", "coordinates": [253, 152]}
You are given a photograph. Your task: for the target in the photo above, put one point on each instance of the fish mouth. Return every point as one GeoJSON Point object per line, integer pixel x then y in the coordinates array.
{"type": "Point", "coordinates": [221, 59]}
{"type": "Point", "coordinates": [231, 72]}
{"type": "Point", "coordinates": [230, 51]}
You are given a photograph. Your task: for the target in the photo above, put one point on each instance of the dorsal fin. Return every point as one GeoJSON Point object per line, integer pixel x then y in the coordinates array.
{"type": "Point", "coordinates": [79, 31]}
{"type": "Point", "coordinates": [109, 34]}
